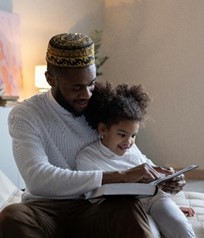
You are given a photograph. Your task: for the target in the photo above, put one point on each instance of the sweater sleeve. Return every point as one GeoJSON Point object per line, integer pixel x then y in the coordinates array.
{"type": "Point", "coordinates": [42, 178]}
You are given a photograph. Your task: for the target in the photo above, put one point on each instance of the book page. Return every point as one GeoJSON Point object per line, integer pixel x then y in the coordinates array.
{"type": "Point", "coordinates": [174, 175]}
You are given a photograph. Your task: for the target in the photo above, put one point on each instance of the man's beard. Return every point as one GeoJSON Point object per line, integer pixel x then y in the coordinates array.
{"type": "Point", "coordinates": [62, 101]}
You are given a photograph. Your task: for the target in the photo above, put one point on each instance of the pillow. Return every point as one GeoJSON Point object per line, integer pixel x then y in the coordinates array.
{"type": "Point", "coordinates": [9, 193]}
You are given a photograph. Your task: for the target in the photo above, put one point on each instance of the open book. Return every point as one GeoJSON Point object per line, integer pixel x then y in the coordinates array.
{"type": "Point", "coordinates": [174, 175]}
{"type": "Point", "coordinates": [135, 189]}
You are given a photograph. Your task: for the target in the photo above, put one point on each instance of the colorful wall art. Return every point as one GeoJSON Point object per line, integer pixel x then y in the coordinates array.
{"type": "Point", "coordinates": [10, 54]}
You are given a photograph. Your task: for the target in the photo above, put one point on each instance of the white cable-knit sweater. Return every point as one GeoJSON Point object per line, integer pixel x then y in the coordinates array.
{"type": "Point", "coordinates": [46, 139]}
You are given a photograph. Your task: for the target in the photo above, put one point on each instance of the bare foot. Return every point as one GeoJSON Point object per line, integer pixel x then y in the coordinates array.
{"type": "Point", "coordinates": [189, 212]}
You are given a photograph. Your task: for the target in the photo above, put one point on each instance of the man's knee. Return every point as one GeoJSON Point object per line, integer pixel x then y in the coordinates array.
{"type": "Point", "coordinates": [8, 215]}
{"type": "Point", "coordinates": [130, 207]}
{"type": "Point", "coordinates": [18, 220]}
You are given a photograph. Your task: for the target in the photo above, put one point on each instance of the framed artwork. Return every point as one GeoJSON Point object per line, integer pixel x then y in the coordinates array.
{"type": "Point", "coordinates": [10, 54]}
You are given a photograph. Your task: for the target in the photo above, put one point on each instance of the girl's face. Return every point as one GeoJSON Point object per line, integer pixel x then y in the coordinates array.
{"type": "Point", "coordinates": [119, 137]}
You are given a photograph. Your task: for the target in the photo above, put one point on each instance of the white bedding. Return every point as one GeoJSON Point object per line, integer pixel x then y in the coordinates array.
{"type": "Point", "coordinates": [9, 193]}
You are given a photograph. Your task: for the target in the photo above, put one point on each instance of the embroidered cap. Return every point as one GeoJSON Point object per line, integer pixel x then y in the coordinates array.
{"type": "Point", "coordinates": [70, 50]}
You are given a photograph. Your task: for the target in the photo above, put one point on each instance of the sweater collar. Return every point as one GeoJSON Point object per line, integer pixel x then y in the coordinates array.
{"type": "Point", "coordinates": [105, 150]}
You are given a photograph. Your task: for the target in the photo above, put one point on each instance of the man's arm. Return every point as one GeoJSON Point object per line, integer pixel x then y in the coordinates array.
{"type": "Point", "coordinates": [42, 177]}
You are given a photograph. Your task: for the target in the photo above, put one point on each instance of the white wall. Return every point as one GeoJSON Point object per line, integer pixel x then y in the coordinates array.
{"type": "Point", "coordinates": [160, 44]}
{"type": "Point", "coordinates": [7, 163]}
{"type": "Point", "coordinates": [40, 20]}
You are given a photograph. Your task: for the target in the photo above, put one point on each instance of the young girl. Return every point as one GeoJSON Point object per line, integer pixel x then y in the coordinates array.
{"type": "Point", "coordinates": [117, 115]}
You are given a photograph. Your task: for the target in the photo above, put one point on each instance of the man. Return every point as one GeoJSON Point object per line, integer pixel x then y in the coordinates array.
{"type": "Point", "coordinates": [48, 130]}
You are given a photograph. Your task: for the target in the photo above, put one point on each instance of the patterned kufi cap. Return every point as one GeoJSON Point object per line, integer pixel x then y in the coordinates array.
{"type": "Point", "coordinates": [70, 50]}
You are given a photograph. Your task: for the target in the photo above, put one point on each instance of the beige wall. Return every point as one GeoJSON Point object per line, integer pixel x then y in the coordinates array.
{"type": "Point", "coordinates": [40, 20]}
{"type": "Point", "coordinates": [160, 44]}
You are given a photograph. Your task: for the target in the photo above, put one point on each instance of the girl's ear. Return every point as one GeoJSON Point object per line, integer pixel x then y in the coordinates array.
{"type": "Point", "coordinates": [50, 79]}
{"type": "Point", "coordinates": [101, 129]}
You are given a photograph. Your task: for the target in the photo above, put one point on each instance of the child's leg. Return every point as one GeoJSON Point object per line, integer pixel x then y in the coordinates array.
{"type": "Point", "coordinates": [170, 219]}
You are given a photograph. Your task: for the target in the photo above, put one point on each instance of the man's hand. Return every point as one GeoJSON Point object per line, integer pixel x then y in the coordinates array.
{"type": "Point", "coordinates": [165, 171]}
{"type": "Point", "coordinates": [175, 185]}
{"type": "Point", "coordinates": [143, 173]}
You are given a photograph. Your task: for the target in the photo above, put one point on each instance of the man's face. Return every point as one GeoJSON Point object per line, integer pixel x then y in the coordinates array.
{"type": "Point", "coordinates": [119, 137]}
{"type": "Point", "coordinates": [73, 88]}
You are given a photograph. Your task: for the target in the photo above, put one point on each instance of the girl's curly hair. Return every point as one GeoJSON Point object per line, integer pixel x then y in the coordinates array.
{"type": "Point", "coordinates": [111, 105]}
